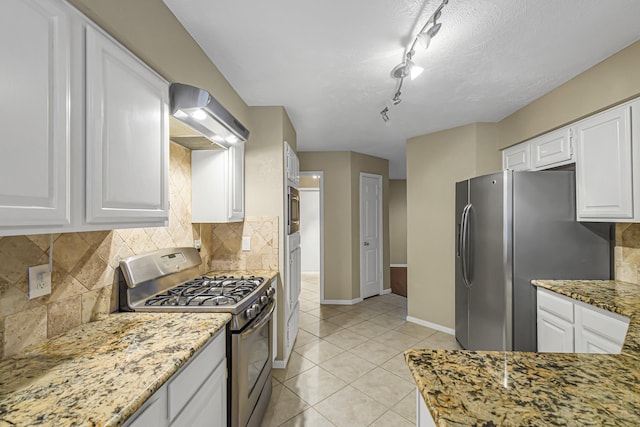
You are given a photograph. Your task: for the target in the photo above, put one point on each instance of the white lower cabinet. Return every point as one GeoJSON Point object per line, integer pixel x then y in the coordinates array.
{"type": "Point", "coordinates": [195, 396]}
{"type": "Point", "coordinates": [423, 416]}
{"type": "Point", "coordinates": [566, 325]}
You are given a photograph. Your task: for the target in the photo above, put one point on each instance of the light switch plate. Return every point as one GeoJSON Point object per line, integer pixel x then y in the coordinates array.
{"type": "Point", "coordinates": [246, 243]}
{"type": "Point", "coordinates": [39, 281]}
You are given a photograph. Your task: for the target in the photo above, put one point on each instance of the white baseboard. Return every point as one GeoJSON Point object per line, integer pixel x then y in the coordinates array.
{"type": "Point", "coordinates": [431, 325]}
{"type": "Point", "coordinates": [281, 364]}
{"type": "Point", "coordinates": [341, 301]}
{"type": "Point", "coordinates": [386, 291]}
{"type": "Point", "coordinates": [399, 265]}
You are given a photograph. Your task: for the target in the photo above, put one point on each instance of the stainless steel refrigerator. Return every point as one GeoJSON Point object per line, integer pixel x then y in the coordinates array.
{"type": "Point", "coordinates": [512, 227]}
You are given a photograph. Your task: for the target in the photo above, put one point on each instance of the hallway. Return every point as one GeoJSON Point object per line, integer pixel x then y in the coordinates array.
{"type": "Point", "coordinates": [347, 367]}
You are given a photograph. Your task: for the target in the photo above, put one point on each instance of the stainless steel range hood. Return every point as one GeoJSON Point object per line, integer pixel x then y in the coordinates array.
{"type": "Point", "coordinates": [200, 111]}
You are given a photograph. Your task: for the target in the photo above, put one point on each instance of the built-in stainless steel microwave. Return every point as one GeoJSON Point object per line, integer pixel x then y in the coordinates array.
{"type": "Point", "coordinates": [293, 202]}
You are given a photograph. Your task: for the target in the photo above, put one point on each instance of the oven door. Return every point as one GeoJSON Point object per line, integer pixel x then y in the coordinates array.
{"type": "Point", "coordinates": [251, 370]}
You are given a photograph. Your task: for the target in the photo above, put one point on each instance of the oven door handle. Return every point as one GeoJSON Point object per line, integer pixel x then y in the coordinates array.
{"type": "Point", "coordinates": [260, 322]}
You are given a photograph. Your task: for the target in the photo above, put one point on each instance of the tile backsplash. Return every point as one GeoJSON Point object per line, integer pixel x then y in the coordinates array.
{"type": "Point", "coordinates": [84, 279]}
{"type": "Point", "coordinates": [627, 252]}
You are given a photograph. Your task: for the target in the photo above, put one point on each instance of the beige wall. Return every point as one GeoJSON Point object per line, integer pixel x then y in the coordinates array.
{"type": "Point", "coordinates": [341, 217]}
{"type": "Point", "coordinates": [398, 221]}
{"type": "Point", "coordinates": [610, 82]}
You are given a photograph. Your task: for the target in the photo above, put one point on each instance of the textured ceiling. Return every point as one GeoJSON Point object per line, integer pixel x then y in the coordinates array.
{"type": "Point", "coordinates": [329, 62]}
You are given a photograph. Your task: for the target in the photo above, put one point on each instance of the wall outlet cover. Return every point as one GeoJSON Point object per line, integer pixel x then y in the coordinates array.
{"type": "Point", "coordinates": [39, 281]}
{"type": "Point", "coordinates": [246, 243]}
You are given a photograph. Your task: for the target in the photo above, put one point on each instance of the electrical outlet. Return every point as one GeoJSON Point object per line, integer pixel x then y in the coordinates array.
{"type": "Point", "coordinates": [39, 281]}
{"type": "Point", "coordinates": [246, 243]}
{"type": "Point", "coordinates": [197, 244]}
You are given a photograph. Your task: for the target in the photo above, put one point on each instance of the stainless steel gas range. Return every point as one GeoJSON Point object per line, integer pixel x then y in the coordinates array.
{"type": "Point", "coordinates": [168, 280]}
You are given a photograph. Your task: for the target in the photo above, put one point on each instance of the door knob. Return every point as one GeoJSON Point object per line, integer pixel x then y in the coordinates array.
{"type": "Point", "coordinates": [366, 243]}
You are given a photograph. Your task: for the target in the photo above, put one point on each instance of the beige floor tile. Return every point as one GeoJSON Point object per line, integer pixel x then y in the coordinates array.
{"type": "Point", "coordinates": [439, 341]}
{"type": "Point", "coordinates": [347, 319]}
{"type": "Point", "coordinates": [314, 385]}
{"type": "Point", "coordinates": [349, 408]}
{"type": "Point", "coordinates": [319, 351]}
{"type": "Point", "coordinates": [415, 330]}
{"type": "Point", "coordinates": [324, 312]}
{"type": "Point", "coordinates": [345, 339]}
{"type": "Point", "coordinates": [397, 340]}
{"type": "Point", "coordinates": [383, 386]}
{"type": "Point", "coordinates": [307, 319]}
{"type": "Point", "coordinates": [308, 306]}
{"type": "Point", "coordinates": [304, 338]}
{"type": "Point", "coordinates": [321, 328]}
{"type": "Point", "coordinates": [389, 321]}
{"type": "Point", "coordinates": [391, 419]}
{"type": "Point", "coordinates": [369, 329]}
{"type": "Point", "coordinates": [407, 407]}
{"type": "Point", "coordinates": [308, 418]}
{"type": "Point", "coordinates": [374, 352]}
{"type": "Point", "coordinates": [296, 365]}
{"type": "Point", "coordinates": [397, 366]}
{"type": "Point", "coordinates": [348, 367]}
{"type": "Point", "coordinates": [284, 404]}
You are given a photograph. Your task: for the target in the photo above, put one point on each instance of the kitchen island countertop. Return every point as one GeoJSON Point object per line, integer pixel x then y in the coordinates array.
{"type": "Point", "coordinates": [517, 388]}
{"type": "Point", "coordinates": [100, 373]}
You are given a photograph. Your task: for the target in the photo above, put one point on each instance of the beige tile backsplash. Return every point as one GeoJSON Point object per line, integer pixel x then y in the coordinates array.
{"type": "Point", "coordinates": [627, 252]}
{"type": "Point", "coordinates": [84, 264]}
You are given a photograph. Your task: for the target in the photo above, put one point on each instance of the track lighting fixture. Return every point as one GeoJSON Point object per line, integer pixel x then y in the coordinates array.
{"type": "Point", "coordinates": [407, 68]}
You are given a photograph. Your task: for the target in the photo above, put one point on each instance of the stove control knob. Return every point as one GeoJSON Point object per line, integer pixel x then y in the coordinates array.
{"type": "Point", "coordinates": [264, 300]}
{"type": "Point", "coordinates": [253, 311]}
{"type": "Point", "coordinates": [271, 292]}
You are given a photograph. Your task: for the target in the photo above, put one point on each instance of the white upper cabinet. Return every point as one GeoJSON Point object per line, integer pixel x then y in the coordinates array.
{"type": "Point", "coordinates": [85, 123]}
{"type": "Point", "coordinates": [35, 87]}
{"type": "Point", "coordinates": [292, 166]}
{"type": "Point", "coordinates": [517, 158]}
{"type": "Point", "coordinates": [551, 149]}
{"type": "Point", "coordinates": [604, 176]}
{"type": "Point", "coordinates": [217, 187]}
{"type": "Point", "coordinates": [127, 135]}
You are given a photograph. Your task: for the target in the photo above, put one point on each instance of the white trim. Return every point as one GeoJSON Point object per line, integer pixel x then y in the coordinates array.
{"type": "Point", "coordinates": [380, 231]}
{"type": "Point", "coordinates": [342, 301]}
{"type": "Point", "coordinates": [386, 291]}
{"type": "Point", "coordinates": [399, 265]}
{"type": "Point", "coordinates": [431, 325]}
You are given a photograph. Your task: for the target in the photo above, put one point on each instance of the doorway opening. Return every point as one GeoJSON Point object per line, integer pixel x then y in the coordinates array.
{"type": "Point", "coordinates": [312, 230]}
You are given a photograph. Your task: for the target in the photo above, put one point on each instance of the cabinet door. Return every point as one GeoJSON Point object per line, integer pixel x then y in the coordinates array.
{"type": "Point", "coordinates": [35, 87]}
{"type": "Point", "coordinates": [554, 334]}
{"type": "Point", "coordinates": [127, 136]}
{"type": "Point", "coordinates": [517, 158]}
{"type": "Point", "coordinates": [599, 331]}
{"type": "Point", "coordinates": [604, 189]}
{"type": "Point", "coordinates": [208, 407]}
{"type": "Point", "coordinates": [236, 182]}
{"type": "Point", "coordinates": [155, 412]}
{"type": "Point", "coordinates": [551, 149]}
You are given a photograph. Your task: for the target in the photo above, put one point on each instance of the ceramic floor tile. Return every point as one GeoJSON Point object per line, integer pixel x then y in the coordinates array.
{"type": "Point", "coordinates": [321, 328]}
{"type": "Point", "coordinates": [284, 404]}
{"type": "Point", "coordinates": [369, 329]}
{"type": "Point", "coordinates": [397, 366]}
{"type": "Point", "coordinates": [348, 367]}
{"type": "Point", "coordinates": [308, 418]}
{"type": "Point", "coordinates": [345, 339]}
{"type": "Point", "coordinates": [304, 338]}
{"type": "Point", "coordinates": [439, 341]}
{"type": "Point", "coordinates": [314, 385]}
{"type": "Point", "coordinates": [389, 320]}
{"type": "Point", "coordinates": [347, 319]}
{"type": "Point", "coordinates": [407, 407]}
{"type": "Point", "coordinates": [383, 386]}
{"type": "Point", "coordinates": [397, 340]}
{"type": "Point", "coordinates": [308, 306]}
{"type": "Point", "coordinates": [324, 312]}
{"type": "Point", "coordinates": [296, 365]}
{"type": "Point", "coordinates": [374, 352]}
{"type": "Point", "coordinates": [349, 408]}
{"type": "Point", "coordinates": [319, 351]}
{"type": "Point", "coordinates": [415, 330]}
{"type": "Point", "coordinates": [391, 419]}
{"type": "Point", "coordinates": [307, 319]}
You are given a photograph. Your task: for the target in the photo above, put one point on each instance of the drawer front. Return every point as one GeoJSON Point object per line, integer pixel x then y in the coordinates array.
{"type": "Point", "coordinates": [555, 304]}
{"type": "Point", "coordinates": [603, 323]}
{"type": "Point", "coordinates": [552, 148]}
{"type": "Point", "coordinates": [187, 382]}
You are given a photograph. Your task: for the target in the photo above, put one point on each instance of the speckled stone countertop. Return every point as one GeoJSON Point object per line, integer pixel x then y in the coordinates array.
{"type": "Point", "coordinates": [468, 388]}
{"type": "Point", "coordinates": [100, 373]}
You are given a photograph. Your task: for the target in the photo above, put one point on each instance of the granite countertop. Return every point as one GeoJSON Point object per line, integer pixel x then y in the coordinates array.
{"type": "Point", "coordinates": [100, 373]}
{"type": "Point", "coordinates": [538, 389]}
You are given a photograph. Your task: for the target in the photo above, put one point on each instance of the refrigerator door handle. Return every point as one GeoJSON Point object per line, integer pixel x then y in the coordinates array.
{"type": "Point", "coordinates": [465, 245]}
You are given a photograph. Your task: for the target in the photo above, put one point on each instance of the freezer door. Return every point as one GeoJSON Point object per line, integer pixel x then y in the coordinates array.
{"type": "Point", "coordinates": [490, 294]}
{"type": "Point", "coordinates": [462, 292]}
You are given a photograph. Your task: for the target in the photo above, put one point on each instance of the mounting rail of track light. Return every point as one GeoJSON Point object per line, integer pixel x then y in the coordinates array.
{"type": "Point", "coordinates": [407, 68]}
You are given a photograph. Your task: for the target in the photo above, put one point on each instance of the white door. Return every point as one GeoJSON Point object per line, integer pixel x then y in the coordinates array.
{"type": "Point", "coordinates": [35, 88]}
{"type": "Point", "coordinates": [370, 235]}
